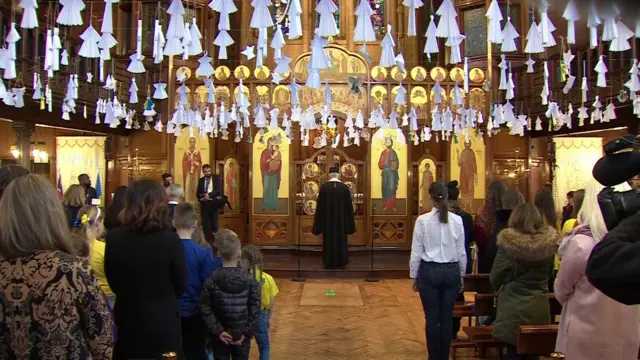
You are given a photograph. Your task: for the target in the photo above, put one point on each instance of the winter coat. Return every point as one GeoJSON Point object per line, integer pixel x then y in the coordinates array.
{"type": "Point", "coordinates": [613, 266]}
{"type": "Point", "coordinates": [520, 276]}
{"type": "Point", "coordinates": [489, 254]}
{"type": "Point", "coordinates": [230, 302]}
{"type": "Point", "coordinates": [585, 333]}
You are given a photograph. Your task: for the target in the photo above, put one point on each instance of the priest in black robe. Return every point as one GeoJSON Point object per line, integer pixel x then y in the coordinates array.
{"type": "Point", "coordinates": [334, 220]}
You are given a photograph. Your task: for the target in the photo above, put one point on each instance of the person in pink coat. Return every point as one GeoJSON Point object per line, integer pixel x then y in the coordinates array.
{"type": "Point", "coordinates": [593, 326]}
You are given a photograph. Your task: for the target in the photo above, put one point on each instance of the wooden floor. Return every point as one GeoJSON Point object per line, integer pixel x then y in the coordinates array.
{"type": "Point", "coordinates": [348, 319]}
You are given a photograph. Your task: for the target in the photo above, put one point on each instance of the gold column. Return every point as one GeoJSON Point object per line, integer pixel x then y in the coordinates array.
{"type": "Point", "coordinates": [308, 11]}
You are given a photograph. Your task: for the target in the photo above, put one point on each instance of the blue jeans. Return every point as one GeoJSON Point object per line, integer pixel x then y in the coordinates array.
{"type": "Point", "coordinates": [439, 286]}
{"type": "Point", "coordinates": [262, 334]}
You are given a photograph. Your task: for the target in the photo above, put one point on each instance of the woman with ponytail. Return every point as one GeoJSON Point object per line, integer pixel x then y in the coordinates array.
{"type": "Point", "coordinates": [89, 227]}
{"type": "Point", "coordinates": [438, 262]}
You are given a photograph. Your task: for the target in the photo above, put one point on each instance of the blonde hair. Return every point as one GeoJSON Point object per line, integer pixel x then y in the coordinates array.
{"type": "Point", "coordinates": [228, 244]}
{"type": "Point", "coordinates": [184, 216]}
{"type": "Point", "coordinates": [590, 213]}
{"type": "Point", "coordinates": [199, 238]}
{"type": "Point", "coordinates": [33, 219]}
{"type": "Point", "coordinates": [74, 196]}
{"type": "Point", "coordinates": [87, 217]}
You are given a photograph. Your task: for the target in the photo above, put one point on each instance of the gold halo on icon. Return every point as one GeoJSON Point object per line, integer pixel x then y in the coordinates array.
{"type": "Point", "coordinates": [418, 73]}
{"type": "Point", "coordinates": [398, 75]}
{"type": "Point", "coordinates": [378, 73]}
{"type": "Point", "coordinates": [184, 70]}
{"type": "Point", "coordinates": [262, 73]}
{"type": "Point", "coordinates": [456, 75]}
{"type": "Point", "coordinates": [242, 72]}
{"type": "Point", "coordinates": [438, 73]}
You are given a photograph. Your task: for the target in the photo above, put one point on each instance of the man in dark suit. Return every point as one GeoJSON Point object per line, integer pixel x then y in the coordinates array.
{"type": "Point", "coordinates": [209, 193]}
{"type": "Point", "coordinates": [85, 182]}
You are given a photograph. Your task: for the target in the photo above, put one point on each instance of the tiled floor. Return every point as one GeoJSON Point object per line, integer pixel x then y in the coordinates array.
{"type": "Point", "coordinates": [348, 319]}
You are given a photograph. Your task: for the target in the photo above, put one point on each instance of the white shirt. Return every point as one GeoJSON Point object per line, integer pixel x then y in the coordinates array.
{"type": "Point", "coordinates": [436, 242]}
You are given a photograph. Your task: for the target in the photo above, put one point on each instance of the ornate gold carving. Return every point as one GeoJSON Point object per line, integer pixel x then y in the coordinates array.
{"type": "Point", "coordinates": [262, 93]}
{"type": "Point", "coordinates": [343, 100]}
{"type": "Point", "coordinates": [223, 93]}
{"type": "Point", "coordinates": [343, 65]}
{"type": "Point", "coordinates": [245, 90]}
{"type": "Point", "coordinates": [281, 97]}
{"type": "Point", "coordinates": [477, 99]}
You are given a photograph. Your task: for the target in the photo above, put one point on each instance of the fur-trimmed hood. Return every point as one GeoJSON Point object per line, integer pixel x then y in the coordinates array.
{"type": "Point", "coordinates": [529, 247]}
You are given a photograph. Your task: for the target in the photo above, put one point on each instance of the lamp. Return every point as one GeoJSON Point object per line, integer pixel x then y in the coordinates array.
{"type": "Point", "coordinates": [15, 152]}
{"type": "Point", "coordinates": [39, 152]}
{"type": "Point", "coordinates": [516, 170]}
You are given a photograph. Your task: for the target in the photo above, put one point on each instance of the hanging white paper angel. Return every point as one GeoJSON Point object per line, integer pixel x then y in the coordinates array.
{"type": "Point", "coordinates": [412, 5]}
{"type": "Point", "coordinates": [593, 20]}
{"type": "Point", "coordinates": [363, 30]}
{"type": "Point", "coordinates": [387, 56]}
{"type": "Point", "coordinates": [621, 42]}
{"type": "Point", "coordinates": [205, 69]}
{"type": "Point", "coordinates": [530, 62]}
{"type": "Point", "coordinates": [29, 14]}
{"type": "Point", "coordinates": [572, 15]}
{"type": "Point", "coordinates": [160, 92]}
{"type": "Point", "coordinates": [534, 40]}
{"type": "Point", "coordinates": [327, 22]}
{"type": "Point", "coordinates": [295, 22]}
{"type": "Point", "coordinates": [494, 16]}
{"type": "Point", "coordinates": [601, 69]}
{"type": "Point", "coordinates": [71, 12]}
{"type": "Point", "coordinates": [509, 36]}
{"type": "Point", "coordinates": [277, 43]}
{"type": "Point", "coordinates": [634, 81]}
{"type": "Point", "coordinates": [431, 43]}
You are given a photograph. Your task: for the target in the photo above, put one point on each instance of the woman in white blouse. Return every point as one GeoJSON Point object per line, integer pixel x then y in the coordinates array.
{"type": "Point", "coordinates": [438, 261]}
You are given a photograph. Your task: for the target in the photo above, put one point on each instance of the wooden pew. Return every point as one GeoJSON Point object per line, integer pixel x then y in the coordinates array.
{"type": "Point", "coordinates": [537, 340]}
{"type": "Point", "coordinates": [478, 283]}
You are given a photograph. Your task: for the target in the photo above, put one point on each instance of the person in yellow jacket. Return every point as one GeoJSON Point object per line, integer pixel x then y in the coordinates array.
{"type": "Point", "coordinates": [251, 260]}
{"type": "Point", "coordinates": [89, 225]}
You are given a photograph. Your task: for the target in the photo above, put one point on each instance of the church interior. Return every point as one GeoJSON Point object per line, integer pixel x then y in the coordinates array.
{"type": "Point", "coordinates": [251, 93]}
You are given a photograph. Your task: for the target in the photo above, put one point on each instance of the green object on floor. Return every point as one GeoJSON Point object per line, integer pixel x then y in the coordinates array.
{"type": "Point", "coordinates": [330, 292]}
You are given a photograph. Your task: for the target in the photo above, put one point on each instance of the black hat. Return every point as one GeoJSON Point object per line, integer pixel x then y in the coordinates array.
{"type": "Point", "coordinates": [334, 169]}
{"type": "Point", "coordinates": [617, 168]}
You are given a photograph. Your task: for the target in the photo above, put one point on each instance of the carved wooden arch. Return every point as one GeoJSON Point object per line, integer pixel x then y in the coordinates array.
{"type": "Point", "coordinates": [441, 175]}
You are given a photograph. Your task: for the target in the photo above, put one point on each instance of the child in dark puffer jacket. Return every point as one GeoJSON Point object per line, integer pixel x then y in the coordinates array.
{"type": "Point", "coordinates": [230, 302]}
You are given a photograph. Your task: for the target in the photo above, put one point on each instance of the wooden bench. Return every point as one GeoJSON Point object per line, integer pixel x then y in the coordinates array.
{"type": "Point", "coordinates": [478, 283]}
{"type": "Point", "coordinates": [537, 340]}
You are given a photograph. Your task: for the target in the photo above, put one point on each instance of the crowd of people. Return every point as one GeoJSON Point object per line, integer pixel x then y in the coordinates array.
{"type": "Point", "coordinates": [137, 281]}
{"type": "Point", "coordinates": [529, 252]}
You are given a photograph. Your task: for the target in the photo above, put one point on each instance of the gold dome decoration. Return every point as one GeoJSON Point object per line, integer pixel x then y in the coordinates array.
{"type": "Point", "coordinates": [222, 73]}
{"type": "Point", "coordinates": [378, 73]}
{"type": "Point", "coordinates": [379, 93]}
{"type": "Point", "coordinates": [398, 75]}
{"type": "Point", "coordinates": [242, 72]}
{"type": "Point", "coordinates": [418, 95]}
{"type": "Point", "coordinates": [245, 90]}
{"type": "Point", "coordinates": [418, 73]}
{"type": "Point", "coordinates": [438, 73]}
{"type": "Point", "coordinates": [262, 73]}
{"type": "Point", "coordinates": [184, 70]}
{"type": "Point", "coordinates": [476, 76]}
{"type": "Point", "coordinates": [262, 93]}
{"type": "Point", "coordinates": [457, 75]}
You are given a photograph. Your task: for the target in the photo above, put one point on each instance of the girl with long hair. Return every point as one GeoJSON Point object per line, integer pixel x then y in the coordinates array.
{"type": "Point", "coordinates": [584, 332]}
{"type": "Point", "coordinates": [485, 220]}
{"type": "Point", "coordinates": [438, 262]}
{"type": "Point", "coordinates": [112, 219]}
{"type": "Point", "coordinates": [546, 207]}
{"type": "Point", "coordinates": [89, 226]}
{"type": "Point", "coordinates": [73, 199]}
{"type": "Point", "coordinates": [520, 275]}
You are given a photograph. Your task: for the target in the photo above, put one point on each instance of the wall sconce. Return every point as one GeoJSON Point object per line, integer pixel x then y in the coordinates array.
{"type": "Point", "coordinates": [39, 152]}
{"type": "Point", "coordinates": [15, 152]}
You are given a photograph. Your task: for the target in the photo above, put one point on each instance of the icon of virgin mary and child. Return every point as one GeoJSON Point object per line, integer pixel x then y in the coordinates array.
{"type": "Point", "coordinates": [271, 169]}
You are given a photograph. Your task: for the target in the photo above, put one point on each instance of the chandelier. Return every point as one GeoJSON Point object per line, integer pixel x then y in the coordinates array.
{"type": "Point", "coordinates": [516, 169]}
{"type": "Point", "coordinates": [136, 166]}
